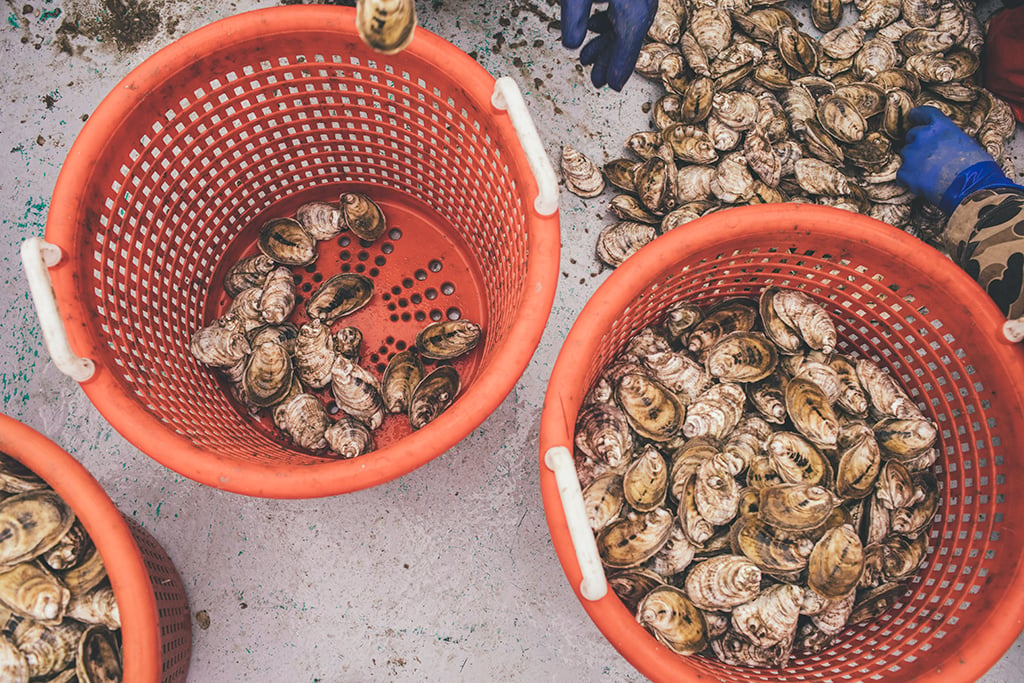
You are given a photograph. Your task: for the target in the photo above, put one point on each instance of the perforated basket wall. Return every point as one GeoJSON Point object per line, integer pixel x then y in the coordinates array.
{"type": "Point", "coordinates": [244, 121]}
{"type": "Point", "coordinates": [915, 313]}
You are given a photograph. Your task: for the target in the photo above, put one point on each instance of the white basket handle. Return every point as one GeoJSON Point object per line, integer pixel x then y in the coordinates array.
{"type": "Point", "coordinates": [507, 97]}
{"type": "Point", "coordinates": [37, 256]}
{"type": "Point", "coordinates": [558, 459]}
{"type": "Point", "coordinates": [1013, 330]}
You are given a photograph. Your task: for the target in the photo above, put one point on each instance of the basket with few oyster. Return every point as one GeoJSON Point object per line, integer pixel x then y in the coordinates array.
{"type": "Point", "coordinates": [759, 107]}
{"type": "Point", "coordinates": [782, 439]}
{"type": "Point", "coordinates": [272, 252]}
{"type": "Point", "coordinates": [85, 595]}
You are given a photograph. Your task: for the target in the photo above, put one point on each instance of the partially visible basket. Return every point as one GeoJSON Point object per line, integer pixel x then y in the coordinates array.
{"type": "Point", "coordinates": [156, 625]}
{"type": "Point", "coordinates": [895, 301]}
{"type": "Point", "coordinates": [245, 120]}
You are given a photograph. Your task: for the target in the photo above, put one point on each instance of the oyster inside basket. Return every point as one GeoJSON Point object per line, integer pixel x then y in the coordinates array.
{"type": "Point", "coordinates": [895, 302]}
{"type": "Point", "coordinates": [232, 126]}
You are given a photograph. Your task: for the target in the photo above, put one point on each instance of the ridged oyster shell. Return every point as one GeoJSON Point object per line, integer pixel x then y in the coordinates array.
{"type": "Point", "coordinates": [723, 582]}
{"type": "Point", "coordinates": [582, 176]}
{"type": "Point", "coordinates": [285, 241]}
{"type": "Point", "coordinates": [673, 619]}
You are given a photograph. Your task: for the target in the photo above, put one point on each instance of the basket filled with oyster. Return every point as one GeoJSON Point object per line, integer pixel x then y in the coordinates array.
{"type": "Point", "coordinates": [85, 595]}
{"type": "Point", "coordinates": [781, 440]}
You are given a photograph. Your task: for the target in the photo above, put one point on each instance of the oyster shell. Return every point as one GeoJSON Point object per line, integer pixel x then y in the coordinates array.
{"type": "Point", "coordinates": [690, 143]}
{"type": "Point", "coordinates": [773, 550]}
{"type": "Point", "coordinates": [603, 434]}
{"type": "Point", "coordinates": [842, 42]}
{"type": "Point", "coordinates": [732, 315]}
{"type": "Point", "coordinates": [401, 377]}
{"type": "Point", "coordinates": [796, 459]}
{"type": "Point", "coordinates": [304, 418]}
{"type": "Point", "coordinates": [99, 659]}
{"type": "Point", "coordinates": [797, 49]}
{"type": "Point", "coordinates": [321, 220]}
{"type": "Point", "coordinates": [811, 413]}
{"type": "Point", "coordinates": [696, 528]}
{"type": "Point", "coordinates": [314, 354]}
{"type": "Point", "coordinates": [433, 395]}
{"type": "Point", "coordinates": [895, 487]}
{"type": "Point", "coordinates": [357, 393]}
{"type": "Point", "coordinates": [619, 173]}
{"type": "Point", "coordinates": [675, 556]}
{"type": "Point", "coordinates": [285, 241]}
{"type": "Point", "coordinates": [69, 550]}
{"type": "Point", "coordinates": [348, 437]}
{"type": "Point", "coordinates": [31, 591]}
{"type": "Point", "coordinates": [835, 565]}
{"type": "Point", "coordinates": [251, 271]}
{"type": "Point", "coordinates": [911, 521]}
{"type": "Point", "coordinates": [619, 241]}
{"type": "Point", "coordinates": [696, 102]}
{"type": "Point", "coordinates": [886, 396]}
{"type": "Point", "coordinates": [732, 182]}
{"type": "Point", "coordinates": [715, 412]}
{"type": "Point", "coordinates": [645, 481]}
{"type": "Point", "coordinates": [715, 492]}
{"type": "Point", "coordinates": [362, 216]}
{"type": "Point", "coordinates": [448, 339]}
{"type": "Point", "coordinates": [652, 410]}
{"type": "Point", "coordinates": [723, 582]}
{"type": "Point", "coordinates": [905, 438]}
{"type": "Point", "coordinates": [582, 176]}
{"type": "Point", "coordinates": [770, 618]}
{"type": "Point", "coordinates": [278, 297]}
{"type": "Point", "coordinates": [741, 357]}
{"type": "Point", "coordinates": [48, 650]}
{"type": "Point", "coordinates": [268, 375]}
{"type": "Point", "coordinates": [628, 208]}
{"type": "Point", "coordinates": [860, 461]}
{"type": "Point", "coordinates": [220, 344]}
{"type": "Point", "coordinates": [711, 28]}
{"type": "Point", "coordinates": [86, 575]}
{"type": "Point", "coordinates": [97, 606]}
{"type": "Point", "coordinates": [631, 585]}
{"type": "Point", "coordinates": [735, 650]}
{"type": "Point", "coordinates": [841, 119]}
{"type": "Point", "coordinates": [603, 499]}
{"type": "Point", "coordinates": [795, 506]}
{"type": "Point", "coordinates": [680, 318]}
{"type": "Point", "coordinates": [338, 296]}
{"type": "Point", "coordinates": [13, 666]}
{"type": "Point", "coordinates": [826, 14]}
{"type": "Point", "coordinates": [805, 316]}
{"type": "Point", "coordinates": [31, 523]}
{"type": "Point", "coordinates": [670, 616]}
{"type": "Point", "coordinates": [819, 178]}
{"type": "Point", "coordinates": [348, 341]}
{"type": "Point", "coordinates": [635, 538]}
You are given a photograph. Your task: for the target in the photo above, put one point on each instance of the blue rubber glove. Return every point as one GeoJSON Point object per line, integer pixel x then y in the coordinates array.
{"type": "Point", "coordinates": [943, 163]}
{"type": "Point", "coordinates": [620, 34]}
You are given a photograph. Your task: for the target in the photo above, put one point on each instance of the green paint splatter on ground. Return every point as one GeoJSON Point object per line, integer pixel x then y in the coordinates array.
{"type": "Point", "coordinates": [13, 20]}
{"type": "Point", "coordinates": [158, 505]}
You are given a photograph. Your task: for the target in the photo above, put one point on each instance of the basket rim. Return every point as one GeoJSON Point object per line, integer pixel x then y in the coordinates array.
{"type": "Point", "coordinates": [495, 378]}
{"type": "Point", "coordinates": [136, 601]}
{"type": "Point", "coordinates": [961, 661]}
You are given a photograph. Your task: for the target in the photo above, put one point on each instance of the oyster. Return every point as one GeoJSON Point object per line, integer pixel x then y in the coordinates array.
{"type": "Point", "coordinates": [741, 357]}
{"type": "Point", "coordinates": [796, 459]}
{"type": "Point", "coordinates": [696, 528]}
{"type": "Point", "coordinates": [841, 119]}
{"type": "Point", "coordinates": [97, 606]}
{"type": "Point", "coordinates": [339, 296]}
{"type": "Point", "coordinates": [631, 585]}
{"type": "Point", "coordinates": [835, 565]}
{"type": "Point", "coordinates": [905, 438]}
{"type": "Point", "coordinates": [285, 334]}
{"type": "Point", "coordinates": [912, 520]}
{"type": "Point", "coordinates": [13, 666]}
{"type": "Point", "coordinates": [795, 506]}
{"type": "Point", "coordinates": [680, 318]}
{"type": "Point", "coordinates": [603, 434]}
{"type": "Point", "coordinates": [770, 618]}
{"type": "Point", "coordinates": [30, 524]}
{"type": "Point", "coordinates": [732, 182]}
{"type": "Point", "coordinates": [582, 176]}
{"type": "Point", "coordinates": [86, 575]}
{"type": "Point", "coordinates": [693, 183]}
{"type": "Point", "coordinates": [797, 49]}
{"type": "Point", "coordinates": [715, 412]}
{"type": "Point", "coordinates": [305, 419]}
{"type": "Point", "coordinates": [711, 28]}
{"type": "Point", "coordinates": [268, 375]}
{"type": "Point", "coordinates": [48, 649]}
{"type": "Point", "coordinates": [278, 297]}
{"type": "Point", "coordinates": [895, 487]}
{"type": "Point", "coordinates": [690, 144]}
{"type": "Point", "coordinates": [448, 339]}
{"type": "Point", "coordinates": [772, 550]}
{"type": "Point", "coordinates": [285, 241]}
{"type": "Point", "coordinates": [348, 341]}
{"type": "Point", "coordinates": [675, 556]}
{"type": "Point", "coordinates": [645, 482]}
{"type": "Point", "coordinates": [652, 410]}
{"type": "Point", "coordinates": [320, 219]}
{"type": "Point", "coordinates": [619, 173]}
{"type": "Point", "coordinates": [735, 650]}
{"type": "Point", "coordinates": [807, 317]}
{"type": "Point", "coordinates": [348, 437]}
{"type": "Point", "coordinates": [736, 109]}
{"type": "Point", "coordinates": [723, 582]}
{"type": "Point", "coordinates": [860, 461]}
{"type": "Point", "coordinates": [99, 659]}
{"type": "Point", "coordinates": [401, 377]}
{"type": "Point", "coordinates": [250, 272]}
{"type": "Point", "coordinates": [842, 42]}
{"type": "Point", "coordinates": [885, 395]}
{"type": "Point", "coordinates": [628, 208]}
{"type": "Point", "coordinates": [851, 398]}
{"type": "Point", "coordinates": [761, 157]}
{"type": "Point", "coordinates": [716, 493]}
{"type": "Point", "coordinates": [69, 550]}
{"type": "Point", "coordinates": [635, 538]}
{"type": "Point", "coordinates": [696, 102]}
{"type": "Point", "coordinates": [357, 392]}
{"type": "Point", "coordinates": [744, 443]}
{"type": "Point", "coordinates": [619, 241]}
{"type": "Point", "coordinates": [603, 499]}
{"type": "Point", "coordinates": [677, 624]}
{"type": "Point", "coordinates": [826, 14]}
{"type": "Point", "coordinates": [433, 395]}
{"type": "Point", "coordinates": [31, 591]}
{"type": "Point", "coordinates": [362, 216]}
{"type": "Point", "coordinates": [314, 354]}
{"type": "Point", "coordinates": [733, 315]}
{"type": "Point", "coordinates": [220, 344]}
{"type": "Point", "coordinates": [811, 413]}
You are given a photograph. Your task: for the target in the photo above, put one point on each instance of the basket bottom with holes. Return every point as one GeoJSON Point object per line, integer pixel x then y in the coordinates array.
{"type": "Point", "coordinates": [421, 274]}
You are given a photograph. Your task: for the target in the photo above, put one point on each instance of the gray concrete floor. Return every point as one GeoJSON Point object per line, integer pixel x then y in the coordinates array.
{"type": "Point", "coordinates": [445, 574]}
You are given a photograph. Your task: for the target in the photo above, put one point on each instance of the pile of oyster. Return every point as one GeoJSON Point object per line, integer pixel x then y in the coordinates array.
{"type": "Point", "coordinates": [752, 490]}
{"type": "Point", "coordinates": [58, 616]}
{"type": "Point", "coordinates": [757, 109]}
{"type": "Point", "coordinates": [297, 371]}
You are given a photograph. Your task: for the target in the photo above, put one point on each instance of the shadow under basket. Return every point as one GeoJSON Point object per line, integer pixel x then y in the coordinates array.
{"type": "Point", "coordinates": [243, 121]}
{"type": "Point", "coordinates": [156, 625]}
{"type": "Point", "coordinates": [899, 303]}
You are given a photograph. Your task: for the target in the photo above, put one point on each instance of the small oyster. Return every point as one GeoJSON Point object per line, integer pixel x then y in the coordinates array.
{"type": "Point", "coordinates": [860, 461]}
{"type": "Point", "coordinates": [603, 434]}
{"type": "Point", "coordinates": [842, 42]}
{"type": "Point", "coordinates": [251, 271]}
{"type": "Point", "coordinates": [69, 550]}
{"type": "Point", "coordinates": [811, 413]}
{"type": "Point", "coordinates": [97, 606]}
{"type": "Point", "coordinates": [835, 565]}
{"type": "Point", "coordinates": [635, 538]}
{"type": "Point", "coordinates": [645, 481]}
{"type": "Point", "coordinates": [603, 499]}
{"type": "Point", "coordinates": [677, 624]}
{"type": "Point", "coordinates": [715, 412]}
{"type": "Point", "coordinates": [401, 377]}
{"type": "Point", "coordinates": [841, 119]}
{"type": "Point", "coordinates": [715, 492]}
{"type": "Point", "coordinates": [348, 437]}
{"type": "Point", "coordinates": [796, 459]}
{"type": "Point", "coordinates": [220, 344]}
{"type": "Point", "coordinates": [338, 296]}
{"type": "Point", "coordinates": [320, 219]}
{"type": "Point", "coordinates": [268, 375]}
{"type": "Point", "coordinates": [619, 241]}
{"type": "Point", "coordinates": [31, 591]}
{"type": "Point", "coordinates": [885, 395]}
{"type": "Point", "coordinates": [285, 241]}
{"type": "Point", "coordinates": [31, 523]}
{"type": "Point", "coordinates": [362, 216]}
{"type": "Point", "coordinates": [796, 506]}
{"type": "Point", "coordinates": [582, 176]}
{"type": "Point", "coordinates": [650, 407]}
{"type": "Point", "coordinates": [723, 582]}
{"type": "Point", "coordinates": [278, 297]}
{"type": "Point", "coordinates": [805, 316]}
{"type": "Point", "coordinates": [448, 339]}
{"type": "Point", "coordinates": [433, 395]}
{"type": "Point", "coordinates": [48, 650]}
{"type": "Point", "coordinates": [357, 392]}
{"type": "Point", "coordinates": [99, 660]}
{"type": "Point", "coordinates": [741, 357]}
{"type": "Point", "coordinates": [305, 419]}
{"type": "Point", "coordinates": [675, 556]}
{"type": "Point", "coordinates": [770, 618]}
{"type": "Point", "coordinates": [314, 354]}
{"type": "Point", "coordinates": [732, 315]}
{"type": "Point", "coordinates": [631, 585]}
{"type": "Point", "coordinates": [905, 438]}
{"type": "Point", "coordinates": [348, 341]}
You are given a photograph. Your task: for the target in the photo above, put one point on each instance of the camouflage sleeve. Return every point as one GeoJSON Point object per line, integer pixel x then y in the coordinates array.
{"type": "Point", "coordinates": [985, 236]}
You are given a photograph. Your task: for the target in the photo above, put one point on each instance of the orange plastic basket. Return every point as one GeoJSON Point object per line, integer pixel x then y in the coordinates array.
{"type": "Point", "coordinates": [156, 625]}
{"type": "Point", "coordinates": [909, 309]}
{"type": "Point", "coordinates": [245, 120]}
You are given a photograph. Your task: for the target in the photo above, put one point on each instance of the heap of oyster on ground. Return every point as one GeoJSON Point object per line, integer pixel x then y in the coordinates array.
{"type": "Point", "coordinates": [752, 490]}
{"type": "Point", "coordinates": [59, 619]}
{"type": "Point", "coordinates": [293, 371]}
{"type": "Point", "coordinates": [758, 110]}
